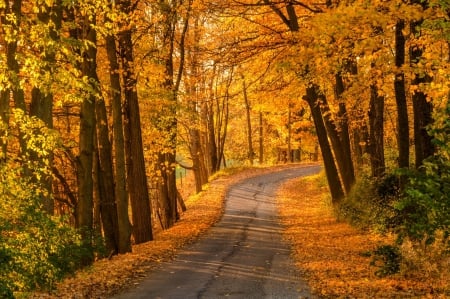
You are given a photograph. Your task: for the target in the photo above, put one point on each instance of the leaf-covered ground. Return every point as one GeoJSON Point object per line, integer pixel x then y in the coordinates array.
{"type": "Point", "coordinates": [332, 256]}
{"type": "Point", "coordinates": [108, 277]}
{"type": "Point", "coordinates": [329, 253]}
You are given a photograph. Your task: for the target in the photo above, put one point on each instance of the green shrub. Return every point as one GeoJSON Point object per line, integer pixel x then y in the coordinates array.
{"type": "Point", "coordinates": [369, 204]}
{"type": "Point", "coordinates": [36, 249]}
{"type": "Point", "coordinates": [387, 259]}
{"type": "Point", "coordinates": [424, 209]}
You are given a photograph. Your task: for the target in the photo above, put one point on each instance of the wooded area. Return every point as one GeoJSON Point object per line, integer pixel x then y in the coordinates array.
{"type": "Point", "coordinates": [102, 102]}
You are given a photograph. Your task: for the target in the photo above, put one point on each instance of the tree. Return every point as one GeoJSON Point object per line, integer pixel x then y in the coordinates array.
{"type": "Point", "coordinates": [124, 227]}
{"type": "Point", "coordinates": [84, 207]}
{"type": "Point", "coordinates": [376, 133]}
{"type": "Point", "coordinates": [136, 175]}
{"type": "Point", "coordinates": [400, 97]}
{"type": "Point", "coordinates": [422, 107]}
{"type": "Point", "coordinates": [314, 98]}
{"type": "Point", "coordinates": [249, 122]}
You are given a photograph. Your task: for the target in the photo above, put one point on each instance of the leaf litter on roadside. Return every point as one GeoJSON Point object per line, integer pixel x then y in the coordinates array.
{"type": "Point", "coordinates": [331, 253]}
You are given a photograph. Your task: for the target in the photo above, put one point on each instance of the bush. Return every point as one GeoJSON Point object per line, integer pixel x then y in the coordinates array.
{"type": "Point", "coordinates": [387, 259]}
{"type": "Point", "coordinates": [369, 204]}
{"type": "Point", "coordinates": [424, 209]}
{"type": "Point", "coordinates": [36, 249]}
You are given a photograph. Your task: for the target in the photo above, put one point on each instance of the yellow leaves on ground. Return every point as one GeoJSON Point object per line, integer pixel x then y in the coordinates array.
{"type": "Point", "coordinates": [108, 277]}
{"type": "Point", "coordinates": [331, 253]}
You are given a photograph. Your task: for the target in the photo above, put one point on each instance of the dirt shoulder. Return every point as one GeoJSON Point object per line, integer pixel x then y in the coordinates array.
{"type": "Point", "coordinates": [331, 253]}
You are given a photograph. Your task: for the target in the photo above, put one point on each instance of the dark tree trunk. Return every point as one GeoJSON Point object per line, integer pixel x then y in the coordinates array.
{"type": "Point", "coordinates": [250, 152]}
{"type": "Point", "coordinates": [261, 139]}
{"type": "Point", "coordinates": [197, 160]}
{"type": "Point", "coordinates": [376, 127]}
{"type": "Point", "coordinates": [338, 148]}
{"type": "Point", "coordinates": [422, 108]}
{"type": "Point", "coordinates": [400, 97]}
{"type": "Point", "coordinates": [107, 198]}
{"type": "Point", "coordinates": [137, 177]}
{"type": "Point", "coordinates": [84, 208]}
{"type": "Point", "coordinates": [348, 171]}
{"type": "Point", "coordinates": [212, 145]}
{"type": "Point", "coordinates": [314, 98]}
{"type": "Point", "coordinates": [123, 221]}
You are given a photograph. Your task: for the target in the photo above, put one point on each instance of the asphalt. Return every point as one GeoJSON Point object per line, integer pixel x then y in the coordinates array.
{"type": "Point", "coordinates": [242, 256]}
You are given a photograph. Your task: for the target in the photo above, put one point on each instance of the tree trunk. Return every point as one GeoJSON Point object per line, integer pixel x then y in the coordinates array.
{"type": "Point", "coordinates": [344, 135]}
{"type": "Point", "coordinates": [423, 111]}
{"type": "Point", "coordinates": [313, 97]}
{"type": "Point", "coordinates": [107, 199]}
{"type": "Point", "coordinates": [261, 139]}
{"type": "Point", "coordinates": [344, 165]}
{"type": "Point", "coordinates": [42, 100]}
{"type": "Point", "coordinates": [123, 221]}
{"type": "Point", "coordinates": [84, 208]}
{"type": "Point", "coordinates": [400, 98]}
{"type": "Point", "coordinates": [212, 145]}
{"type": "Point", "coordinates": [250, 153]}
{"type": "Point", "coordinates": [376, 127]}
{"type": "Point", "coordinates": [137, 177]}
{"type": "Point", "coordinates": [422, 108]}
{"type": "Point", "coordinates": [196, 154]}
{"type": "Point", "coordinates": [360, 139]}
{"type": "Point", "coordinates": [289, 149]}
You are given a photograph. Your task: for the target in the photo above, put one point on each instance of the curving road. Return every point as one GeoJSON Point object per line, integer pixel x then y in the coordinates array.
{"type": "Point", "coordinates": [242, 256]}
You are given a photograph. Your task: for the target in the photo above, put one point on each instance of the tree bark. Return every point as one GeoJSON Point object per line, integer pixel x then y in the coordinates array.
{"type": "Point", "coordinates": [344, 165]}
{"type": "Point", "coordinates": [422, 108]}
{"type": "Point", "coordinates": [137, 177]}
{"type": "Point", "coordinates": [123, 221]}
{"type": "Point", "coordinates": [313, 97]}
{"type": "Point", "coordinates": [250, 153]}
{"type": "Point", "coordinates": [344, 134]}
{"type": "Point", "coordinates": [261, 139]}
{"type": "Point", "coordinates": [84, 207]}
{"type": "Point", "coordinates": [400, 98]}
{"type": "Point", "coordinates": [376, 127]}
{"type": "Point", "coordinates": [107, 199]}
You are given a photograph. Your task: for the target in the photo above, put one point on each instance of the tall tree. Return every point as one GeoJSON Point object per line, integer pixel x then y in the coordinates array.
{"type": "Point", "coordinates": [84, 207]}
{"type": "Point", "coordinates": [376, 133]}
{"type": "Point", "coordinates": [422, 107]}
{"type": "Point", "coordinates": [250, 152]}
{"type": "Point", "coordinates": [136, 178]}
{"type": "Point", "coordinates": [124, 227]}
{"type": "Point", "coordinates": [49, 16]}
{"type": "Point", "coordinates": [314, 98]}
{"type": "Point", "coordinates": [107, 198]}
{"type": "Point", "coordinates": [400, 97]}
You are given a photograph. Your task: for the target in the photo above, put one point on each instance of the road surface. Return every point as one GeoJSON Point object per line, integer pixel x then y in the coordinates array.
{"type": "Point", "coordinates": [242, 256]}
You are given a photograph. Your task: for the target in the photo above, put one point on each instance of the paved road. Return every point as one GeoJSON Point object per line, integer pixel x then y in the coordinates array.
{"type": "Point", "coordinates": [242, 256]}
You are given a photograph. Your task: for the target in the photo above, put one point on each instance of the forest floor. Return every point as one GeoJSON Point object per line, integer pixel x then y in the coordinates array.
{"type": "Point", "coordinates": [334, 257]}
{"type": "Point", "coordinates": [328, 252]}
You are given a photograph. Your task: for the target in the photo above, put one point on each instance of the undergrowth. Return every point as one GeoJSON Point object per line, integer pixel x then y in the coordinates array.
{"type": "Point", "coordinates": [379, 206]}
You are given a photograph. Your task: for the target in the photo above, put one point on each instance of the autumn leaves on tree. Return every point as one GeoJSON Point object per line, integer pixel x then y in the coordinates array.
{"type": "Point", "coordinates": [102, 101]}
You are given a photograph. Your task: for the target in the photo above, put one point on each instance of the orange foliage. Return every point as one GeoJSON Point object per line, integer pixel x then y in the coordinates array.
{"type": "Point", "coordinates": [332, 253]}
